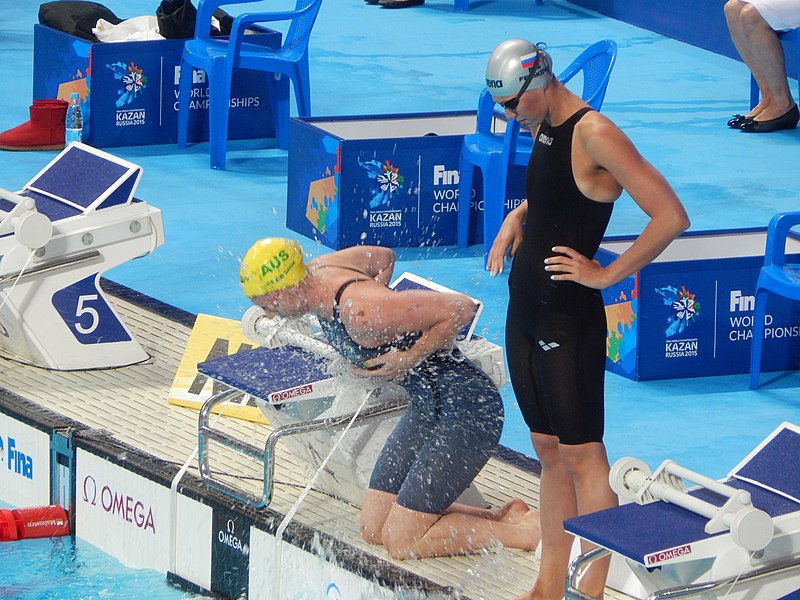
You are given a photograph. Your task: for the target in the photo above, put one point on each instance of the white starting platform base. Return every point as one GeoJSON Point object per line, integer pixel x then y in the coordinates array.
{"type": "Point", "coordinates": [73, 221]}
{"type": "Point", "coordinates": [738, 538]}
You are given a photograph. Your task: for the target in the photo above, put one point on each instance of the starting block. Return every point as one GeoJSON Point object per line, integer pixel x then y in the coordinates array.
{"type": "Point", "coordinates": [738, 538]}
{"type": "Point", "coordinates": [73, 221]}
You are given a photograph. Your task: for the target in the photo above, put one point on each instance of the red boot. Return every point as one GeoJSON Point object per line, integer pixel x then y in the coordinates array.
{"type": "Point", "coordinates": [45, 130]}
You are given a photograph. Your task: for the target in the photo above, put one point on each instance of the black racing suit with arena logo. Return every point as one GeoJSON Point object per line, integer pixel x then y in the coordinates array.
{"type": "Point", "coordinates": [556, 330]}
{"type": "Point", "coordinates": [450, 429]}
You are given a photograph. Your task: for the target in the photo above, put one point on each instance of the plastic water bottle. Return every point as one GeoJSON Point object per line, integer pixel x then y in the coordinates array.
{"type": "Point", "coordinates": [74, 121]}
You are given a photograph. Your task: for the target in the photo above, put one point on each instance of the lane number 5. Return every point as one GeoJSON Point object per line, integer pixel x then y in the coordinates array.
{"type": "Point", "coordinates": [83, 309]}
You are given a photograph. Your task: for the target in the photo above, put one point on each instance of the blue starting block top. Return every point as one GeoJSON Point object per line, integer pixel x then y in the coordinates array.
{"type": "Point", "coordinates": [770, 474]}
{"type": "Point", "coordinates": [262, 371]}
{"type": "Point", "coordinates": [636, 531]}
{"type": "Point", "coordinates": [775, 464]}
{"type": "Point", "coordinates": [80, 180]}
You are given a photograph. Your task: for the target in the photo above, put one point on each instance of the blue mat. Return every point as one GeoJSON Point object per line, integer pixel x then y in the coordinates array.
{"type": "Point", "coordinates": [776, 466]}
{"type": "Point", "coordinates": [262, 371]}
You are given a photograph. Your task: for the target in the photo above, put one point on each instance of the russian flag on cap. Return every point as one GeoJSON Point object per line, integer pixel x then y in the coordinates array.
{"type": "Point", "coordinates": [529, 60]}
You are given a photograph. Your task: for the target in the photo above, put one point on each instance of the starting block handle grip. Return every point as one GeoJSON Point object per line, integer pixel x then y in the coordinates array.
{"type": "Point", "coordinates": [257, 326]}
{"type": "Point", "coordinates": [706, 482]}
{"type": "Point", "coordinates": [15, 198]}
{"type": "Point", "coordinates": [665, 492]}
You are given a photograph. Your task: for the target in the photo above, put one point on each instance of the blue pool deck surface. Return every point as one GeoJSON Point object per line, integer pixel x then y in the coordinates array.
{"type": "Point", "coordinates": [670, 98]}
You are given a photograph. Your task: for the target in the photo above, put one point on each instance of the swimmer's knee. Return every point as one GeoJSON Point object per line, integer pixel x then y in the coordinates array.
{"type": "Point", "coordinates": [396, 542]}
{"type": "Point", "coordinates": [372, 524]}
{"type": "Point", "coordinates": [371, 533]}
{"type": "Point", "coordinates": [750, 19]}
{"type": "Point", "coordinates": [546, 447]}
{"type": "Point", "coordinates": [401, 544]}
{"type": "Point", "coordinates": [585, 459]}
{"type": "Point", "coordinates": [375, 510]}
{"type": "Point", "coordinates": [732, 9]}
{"type": "Point", "coordinates": [405, 530]}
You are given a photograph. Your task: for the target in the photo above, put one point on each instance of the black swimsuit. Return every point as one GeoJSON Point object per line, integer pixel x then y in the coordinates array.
{"type": "Point", "coordinates": [451, 428]}
{"type": "Point", "coordinates": [556, 330]}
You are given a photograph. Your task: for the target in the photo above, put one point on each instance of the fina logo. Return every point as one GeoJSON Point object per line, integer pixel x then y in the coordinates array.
{"type": "Point", "coordinates": [333, 592]}
{"type": "Point", "coordinates": [18, 462]}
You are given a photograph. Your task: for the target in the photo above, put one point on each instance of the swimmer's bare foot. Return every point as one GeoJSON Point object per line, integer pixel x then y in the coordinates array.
{"type": "Point", "coordinates": [532, 527]}
{"type": "Point", "coordinates": [538, 594]}
{"type": "Point", "coordinates": [512, 511]}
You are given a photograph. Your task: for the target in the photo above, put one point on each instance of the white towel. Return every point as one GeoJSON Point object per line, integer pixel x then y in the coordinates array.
{"type": "Point", "coordinates": [136, 29]}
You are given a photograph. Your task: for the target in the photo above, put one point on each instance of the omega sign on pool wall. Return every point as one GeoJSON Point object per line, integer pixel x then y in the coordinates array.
{"type": "Point", "coordinates": [121, 513]}
{"type": "Point", "coordinates": [230, 554]}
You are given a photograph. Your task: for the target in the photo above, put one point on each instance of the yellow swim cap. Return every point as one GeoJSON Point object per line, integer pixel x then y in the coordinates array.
{"type": "Point", "coordinates": [271, 264]}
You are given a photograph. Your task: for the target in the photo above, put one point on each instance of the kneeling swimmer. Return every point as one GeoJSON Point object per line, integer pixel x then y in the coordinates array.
{"type": "Point", "coordinates": [455, 416]}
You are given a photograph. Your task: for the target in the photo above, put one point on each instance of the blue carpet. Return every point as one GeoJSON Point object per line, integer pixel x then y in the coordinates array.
{"type": "Point", "coordinates": [670, 98]}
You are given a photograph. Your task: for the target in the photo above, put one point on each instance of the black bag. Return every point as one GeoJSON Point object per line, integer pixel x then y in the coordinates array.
{"type": "Point", "coordinates": [176, 19]}
{"type": "Point", "coordinates": [225, 23]}
{"type": "Point", "coordinates": [76, 17]}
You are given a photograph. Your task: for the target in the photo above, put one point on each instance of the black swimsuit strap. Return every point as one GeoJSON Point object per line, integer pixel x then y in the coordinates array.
{"type": "Point", "coordinates": [337, 298]}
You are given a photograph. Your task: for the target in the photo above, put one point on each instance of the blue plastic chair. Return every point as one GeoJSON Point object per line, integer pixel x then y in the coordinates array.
{"type": "Point", "coordinates": [218, 57]}
{"type": "Point", "coordinates": [493, 152]}
{"type": "Point", "coordinates": [776, 277]}
{"type": "Point", "coordinates": [792, 37]}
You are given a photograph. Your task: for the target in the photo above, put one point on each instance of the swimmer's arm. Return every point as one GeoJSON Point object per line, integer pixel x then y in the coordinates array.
{"type": "Point", "coordinates": [611, 150]}
{"type": "Point", "coordinates": [508, 239]}
{"type": "Point", "coordinates": [375, 261]}
{"type": "Point", "coordinates": [651, 191]}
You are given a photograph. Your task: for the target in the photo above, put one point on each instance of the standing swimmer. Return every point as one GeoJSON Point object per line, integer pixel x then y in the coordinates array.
{"type": "Point", "coordinates": [556, 325]}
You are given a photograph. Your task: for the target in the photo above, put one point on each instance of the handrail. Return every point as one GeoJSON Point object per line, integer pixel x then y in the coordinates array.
{"type": "Point", "coordinates": [52, 265]}
{"type": "Point", "coordinates": [576, 568]}
{"type": "Point", "coordinates": [267, 454]}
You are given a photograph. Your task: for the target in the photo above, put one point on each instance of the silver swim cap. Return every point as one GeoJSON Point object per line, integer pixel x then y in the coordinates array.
{"type": "Point", "coordinates": [511, 62]}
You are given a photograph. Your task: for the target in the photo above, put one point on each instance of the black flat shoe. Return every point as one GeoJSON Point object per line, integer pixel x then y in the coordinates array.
{"type": "Point", "coordinates": [735, 121]}
{"type": "Point", "coordinates": [400, 3]}
{"type": "Point", "coordinates": [786, 121]}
